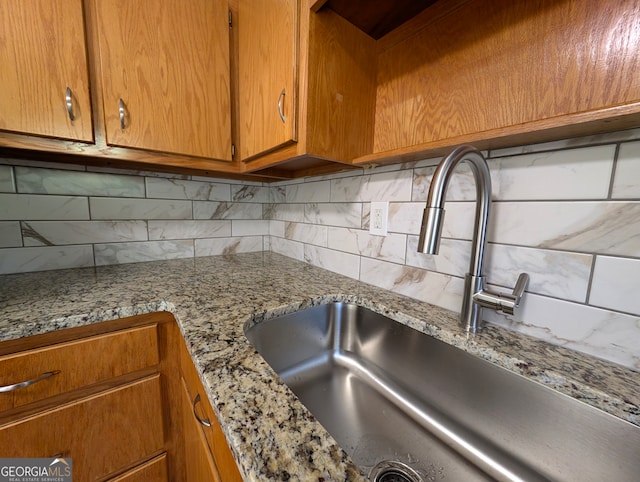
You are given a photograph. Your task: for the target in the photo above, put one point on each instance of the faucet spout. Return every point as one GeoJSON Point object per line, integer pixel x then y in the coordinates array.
{"type": "Point", "coordinates": [475, 296]}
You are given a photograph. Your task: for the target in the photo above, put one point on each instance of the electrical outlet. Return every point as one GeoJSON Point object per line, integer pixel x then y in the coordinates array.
{"type": "Point", "coordinates": [378, 218]}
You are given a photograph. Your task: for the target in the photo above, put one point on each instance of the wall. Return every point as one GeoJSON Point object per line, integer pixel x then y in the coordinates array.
{"type": "Point", "coordinates": [63, 216]}
{"type": "Point", "coordinates": [567, 212]}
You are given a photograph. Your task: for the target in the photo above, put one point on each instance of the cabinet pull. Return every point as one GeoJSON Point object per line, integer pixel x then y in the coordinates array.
{"type": "Point", "coordinates": [121, 112]}
{"type": "Point", "coordinates": [69, 101]}
{"type": "Point", "coordinates": [16, 386]}
{"type": "Point", "coordinates": [202, 421]}
{"type": "Point", "coordinates": [280, 100]}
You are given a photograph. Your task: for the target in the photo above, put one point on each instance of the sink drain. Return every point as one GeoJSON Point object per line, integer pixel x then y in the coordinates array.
{"type": "Point", "coordinates": [393, 471]}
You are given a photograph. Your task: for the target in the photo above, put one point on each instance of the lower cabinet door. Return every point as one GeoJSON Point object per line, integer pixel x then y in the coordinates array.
{"type": "Point", "coordinates": [102, 434]}
{"type": "Point", "coordinates": [200, 466]}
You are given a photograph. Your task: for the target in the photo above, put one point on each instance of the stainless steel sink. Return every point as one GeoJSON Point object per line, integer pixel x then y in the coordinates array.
{"type": "Point", "coordinates": [408, 407]}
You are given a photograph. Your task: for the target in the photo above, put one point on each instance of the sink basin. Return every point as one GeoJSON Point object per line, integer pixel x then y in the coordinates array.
{"type": "Point", "coordinates": [408, 407]}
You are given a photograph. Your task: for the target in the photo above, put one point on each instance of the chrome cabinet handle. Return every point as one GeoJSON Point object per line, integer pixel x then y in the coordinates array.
{"type": "Point", "coordinates": [203, 421]}
{"type": "Point", "coordinates": [121, 112]}
{"type": "Point", "coordinates": [280, 100]}
{"type": "Point", "coordinates": [69, 101]}
{"type": "Point", "coordinates": [16, 386]}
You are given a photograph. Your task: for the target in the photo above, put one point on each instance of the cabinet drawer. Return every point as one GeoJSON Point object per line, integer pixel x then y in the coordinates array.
{"type": "Point", "coordinates": [215, 436]}
{"type": "Point", "coordinates": [76, 364]}
{"type": "Point", "coordinates": [155, 470]}
{"type": "Point", "coordinates": [102, 434]}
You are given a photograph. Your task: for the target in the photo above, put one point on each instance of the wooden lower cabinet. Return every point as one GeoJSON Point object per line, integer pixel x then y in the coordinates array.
{"type": "Point", "coordinates": [199, 465]}
{"type": "Point", "coordinates": [122, 404]}
{"type": "Point", "coordinates": [102, 434]}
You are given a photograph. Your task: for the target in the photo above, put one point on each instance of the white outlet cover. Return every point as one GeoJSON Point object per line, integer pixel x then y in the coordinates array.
{"type": "Point", "coordinates": [378, 218]}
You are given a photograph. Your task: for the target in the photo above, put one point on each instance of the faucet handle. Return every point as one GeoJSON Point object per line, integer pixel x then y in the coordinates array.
{"type": "Point", "coordinates": [521, 285]}
{"type": "Point", "coordinates": [505, 302]}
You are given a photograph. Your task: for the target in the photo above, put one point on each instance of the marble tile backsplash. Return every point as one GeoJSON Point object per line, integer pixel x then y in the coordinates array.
{"type": "Point", "coordinates": [566, 212]}
{"type": "Point", "coordinates": [54, 216]}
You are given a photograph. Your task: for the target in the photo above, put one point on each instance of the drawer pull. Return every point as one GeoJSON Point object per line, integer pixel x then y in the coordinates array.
{"type": "Point", "coordinates": [121, 113]}
{"type": "Point", "coordinates": [203, 421]}
{"type": "Point", "coordinates": [16, 386]}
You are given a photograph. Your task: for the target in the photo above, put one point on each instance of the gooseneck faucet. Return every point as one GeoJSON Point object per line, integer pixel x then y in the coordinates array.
{"type": "Point", "coordinates": [475, 295]}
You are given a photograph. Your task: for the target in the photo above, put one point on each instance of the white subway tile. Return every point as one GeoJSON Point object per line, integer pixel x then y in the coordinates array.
{"type": "Point", "coordinates": [224, 246]}
{"type": "Point", "coordinates": [458, 220]}
{"type": "Point", "coordinates": [276, 228]}
{"type": "Point", "coordinates": [615, 284]}
{"type": "Point", "coordinates": [277, 194]}
{"type": "Point", "coordinates": [7, 183]}
{"type": "Point", "coordinates": [308, 192]}
{"type": "Point", "coordinates": [24, 260]}
{"type": "Point", "coordinates": [51, 181]}
{"type": "Point", "coordinates": [120, 208]}
{"type": "Point", "coordinates": [285, 212]}
{"type": "Point", "coordinates": [604, 138]}
{"type": "Point", "coordinates": [286, 247]}
{"type": "Point", "coordinates": [188, 229]}
{"type": "Point", "coordinates": [570, 174]}
{"type": "Point", "coordinates": [10, 234]}
{"type": "Point", "coordinates": [348, 215]}
{"type": "Point", "coordinates": [555, 273]}
{"type": "Point", "coordinates": [626, 184]}
{"type": "Point", "coordinates": [435, 288]}
{"type": "Point", "coordinates": [250, 193]}
{"type": "Point", "coordinates": [43, 233]}
{"type": "Point", "coordinates": [181, 189]}
{"type": "Point", "coordinates": [226, 210]}
{"type": "Point", "coordinates": [452, 258]}
{"type": "Point", "coordinates": [241, 227]}
{"type": "Point", "coordinates": [136, 252]}
{"type": "Point", "coordinates": [28, 207]}
{"type": "Point", "coordinates": [136, 172]}
{"type": "Point", "coordinates": [589, 227]}
{"type": "Point", "coordinates": [461, 185]}
{"type": "Point", "coordinates": [343, 263]}
{"type": "Point", "coordinates": [386, 186]}
{"type": "Point", "coordinates": [306, 233]}
{"type": "Point", "coordinates": [390, 248]}
{"type": "Point", "coordinates": [601, 333]}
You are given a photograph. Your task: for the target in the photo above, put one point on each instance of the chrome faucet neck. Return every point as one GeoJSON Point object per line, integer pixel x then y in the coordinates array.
{"type": "Point", "coordinates": [475, 296]}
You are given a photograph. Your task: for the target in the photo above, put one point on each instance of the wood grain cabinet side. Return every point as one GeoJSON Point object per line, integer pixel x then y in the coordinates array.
{"type": "Point", "coordinates": [44, 78]}
{"type": "Point", "coordinates": [198, 414]}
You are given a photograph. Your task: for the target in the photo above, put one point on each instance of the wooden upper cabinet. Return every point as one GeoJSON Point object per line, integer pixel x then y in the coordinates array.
{"type": "Point", "coordinates": [42, 54]}
{"type": "Point", "coordinates": [164, 70]}
{"type": "Point", "coordinates": [267, 69]}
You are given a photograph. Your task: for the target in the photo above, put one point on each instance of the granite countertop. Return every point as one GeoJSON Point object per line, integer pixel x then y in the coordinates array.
{"type": "Point", "coordinates": [271, 433]}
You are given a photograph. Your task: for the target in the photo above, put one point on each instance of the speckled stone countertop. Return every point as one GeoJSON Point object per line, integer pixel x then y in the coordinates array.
{"type": "Point", "coordinates": [271, 433]}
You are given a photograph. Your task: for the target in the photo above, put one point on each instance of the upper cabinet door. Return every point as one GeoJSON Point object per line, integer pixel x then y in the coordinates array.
{"type": "Point", "coordinates": [44, 81]}
{"type": "Point", "coordinates": [165, 75]}
{"type": "Point", "coordinates": [267, 69]}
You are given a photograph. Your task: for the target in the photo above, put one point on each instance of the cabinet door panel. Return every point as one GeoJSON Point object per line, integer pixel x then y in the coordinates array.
{"type": "Point", "coordinates": [200, 465]}
{"type": "Point", "coordinates": [42, 52]}
{"type": "Point", "coordinates": [169, 63]}
{"type": "Point", "coordinates": [102, 434]}
{"type": "Point", "coordinates": [267, 67]}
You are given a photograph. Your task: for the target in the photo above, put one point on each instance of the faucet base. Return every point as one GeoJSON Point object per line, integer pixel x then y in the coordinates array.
{"type": "Point", "coordinates": [471, 312]}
